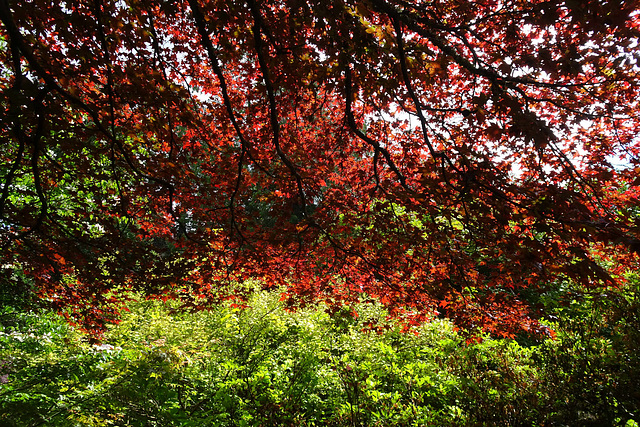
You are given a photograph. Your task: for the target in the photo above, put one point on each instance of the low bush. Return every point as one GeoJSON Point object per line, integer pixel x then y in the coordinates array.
{"type": "Point", "coordinates": [266, 366]}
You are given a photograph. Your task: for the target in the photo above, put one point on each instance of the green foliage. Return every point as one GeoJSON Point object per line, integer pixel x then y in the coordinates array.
{"type": "Point", "coordinates": [266, 366]}
{"type": "Point", "coordinates": [593, 366]}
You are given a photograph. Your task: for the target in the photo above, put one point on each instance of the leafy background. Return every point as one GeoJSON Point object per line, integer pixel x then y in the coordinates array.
{"type": "Point", "coordinates": [265, 365]}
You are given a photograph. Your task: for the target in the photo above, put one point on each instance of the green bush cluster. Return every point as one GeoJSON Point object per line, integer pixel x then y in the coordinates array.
{"type": "Point", "coordinates": [266, 366]}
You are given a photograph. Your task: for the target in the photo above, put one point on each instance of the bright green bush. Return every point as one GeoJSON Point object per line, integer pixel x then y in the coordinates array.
{"type": "Point", "coordinates": [265, 366]}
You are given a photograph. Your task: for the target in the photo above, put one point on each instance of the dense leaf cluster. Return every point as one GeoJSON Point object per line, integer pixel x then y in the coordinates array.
{"type": "Point", "coordinates": [442, 157]}
{"type": "Point", "coordinates": [268, 366]}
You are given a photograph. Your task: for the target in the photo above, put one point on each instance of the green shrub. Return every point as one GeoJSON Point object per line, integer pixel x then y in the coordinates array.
{"type": "Point", "coordinates": [266, 366]}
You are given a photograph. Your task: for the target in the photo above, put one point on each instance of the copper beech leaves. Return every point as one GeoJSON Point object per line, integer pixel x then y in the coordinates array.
{"type": "Point", "coordinates": [445, 158]}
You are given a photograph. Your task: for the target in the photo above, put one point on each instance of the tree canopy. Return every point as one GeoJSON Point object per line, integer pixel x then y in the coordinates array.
{"type": "Point", "coordinates": [445, 158]}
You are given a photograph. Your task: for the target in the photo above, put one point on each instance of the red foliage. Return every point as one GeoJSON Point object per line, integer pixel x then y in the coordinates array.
{"type": "Point", "coordinates": [443, 157]}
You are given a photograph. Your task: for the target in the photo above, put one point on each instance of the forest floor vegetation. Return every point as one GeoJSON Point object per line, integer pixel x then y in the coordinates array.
{"type": "Point", "coordinates": [266, 366]}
